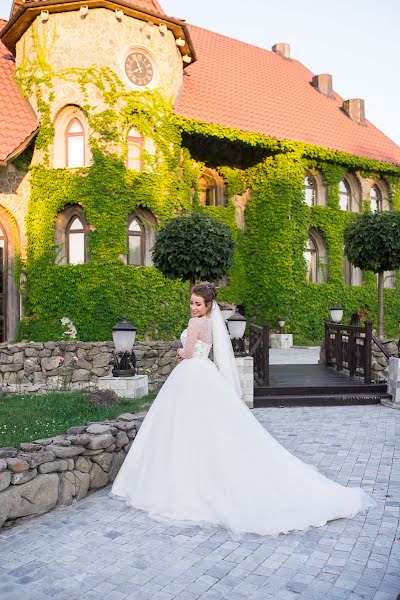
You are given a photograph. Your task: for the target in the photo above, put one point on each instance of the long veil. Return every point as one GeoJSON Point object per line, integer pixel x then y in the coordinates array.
{"type": "Point", "coordinates": [223, 353]}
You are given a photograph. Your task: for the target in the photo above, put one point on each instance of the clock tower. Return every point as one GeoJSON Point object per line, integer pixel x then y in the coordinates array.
{"type": "Point", "coordinates": [136, 41]}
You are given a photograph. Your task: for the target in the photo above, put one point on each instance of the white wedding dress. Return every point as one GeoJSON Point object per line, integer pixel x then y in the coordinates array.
{"type": "Point", "coordinates": [202, 458]}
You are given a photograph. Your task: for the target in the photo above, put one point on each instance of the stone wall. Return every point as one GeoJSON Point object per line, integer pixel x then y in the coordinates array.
{"type": "Point", "coordinates": [40, 475]}
{"type": "Point", "coordinates": [380, 364]}
{"type": "Point", "coordinates": [51, 366]}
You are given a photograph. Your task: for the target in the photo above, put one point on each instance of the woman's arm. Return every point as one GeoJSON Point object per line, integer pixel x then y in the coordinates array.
{"type": "Point", "coordinates": [191, 338]}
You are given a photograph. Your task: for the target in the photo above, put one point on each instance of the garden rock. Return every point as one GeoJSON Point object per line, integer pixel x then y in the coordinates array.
{"type": "Point", "coordinates": [16, 465]}
{"type": "Point", "coordinates": [67, 451]}
{"type": "Point", "coordinates": [104, 460]}
{"type": "Point", "coordinates": [121, 439]}
{"type": "Point", "coordinates": [8, 452]}
{"type": "Point", "coordinates": [3, 465]}
{"type": "Point", "coordinates": [52, 467]}
{"type": "Point", "coordinates": [101, 441]}
{"type": "Point", "coordinates": [50, 363]}
{"type": "Point", "coordinates": [116, 464]}
{"type": "Point", "coordinates": [37, 458]}
{"type": "Point", "coordinates": [5, 479]}
{"type": "Point", "coordinates": [97, 429]}
{"type": "Point", "coordinates": [82, 482]}
{"type": "Point", "coordinates": [98, 478]}
{"type": "Point", "coordinates": [67, 488]}
{"type": "Point", "coordinates": [33, 498]}
{"type": "Point", "coordinates": [83, 464]}
{"type": "Point", "coordinates": [19, 478]}
{"type": "Point", "coordinates": [103, 398]}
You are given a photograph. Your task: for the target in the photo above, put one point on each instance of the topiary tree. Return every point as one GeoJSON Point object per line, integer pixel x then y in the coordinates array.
{"type": "Point", "coordinates": [194, 247]}
{"type": "Point", "coordinates": [372, 243]}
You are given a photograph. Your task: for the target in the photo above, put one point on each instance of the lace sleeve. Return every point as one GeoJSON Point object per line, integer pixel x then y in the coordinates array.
{"type": "Point", "coordinates": [191, 338]}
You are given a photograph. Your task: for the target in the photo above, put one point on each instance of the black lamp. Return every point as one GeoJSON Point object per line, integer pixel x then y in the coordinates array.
{"type": "Point", "coordinates": [124, 335]}
{"type": "Point", "coordinates": [237, 327]}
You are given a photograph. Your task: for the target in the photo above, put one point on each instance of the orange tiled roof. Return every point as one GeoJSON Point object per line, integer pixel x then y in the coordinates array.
{"type": "Point", "coordinates": [233, 84]}
{"type": "Point", "coordinates": [239, 85]}
{"type": "Point", "coordinates": [17, 119]}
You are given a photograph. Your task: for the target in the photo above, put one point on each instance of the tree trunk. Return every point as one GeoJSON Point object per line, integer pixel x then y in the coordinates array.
{"type": "Point", "coordinates": [381, 278]}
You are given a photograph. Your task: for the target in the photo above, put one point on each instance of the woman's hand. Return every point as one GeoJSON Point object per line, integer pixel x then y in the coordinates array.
{"type": "Point", "coordinates": [179, 358]}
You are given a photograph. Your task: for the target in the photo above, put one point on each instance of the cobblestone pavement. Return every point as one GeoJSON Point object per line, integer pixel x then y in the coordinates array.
{"type": "Point", "coordinates": [298, 355]}
{"type": "Point", "coordinates": [99, 548]}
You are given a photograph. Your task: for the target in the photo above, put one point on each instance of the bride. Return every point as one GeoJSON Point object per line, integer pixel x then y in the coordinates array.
{"type": "Point", "coordinates": [202, 458]}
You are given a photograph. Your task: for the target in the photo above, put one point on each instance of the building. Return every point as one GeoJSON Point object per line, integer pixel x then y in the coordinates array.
{"type": "Point", "coordinates": [115, 117]}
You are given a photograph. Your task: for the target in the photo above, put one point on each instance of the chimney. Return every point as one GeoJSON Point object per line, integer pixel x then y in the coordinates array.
{"type": "Point", "coordinates": [323, 83]}
{"type": "Point", "coordinates": [282, 50]}
{"type": "Point", "coordinates": [355, 110]}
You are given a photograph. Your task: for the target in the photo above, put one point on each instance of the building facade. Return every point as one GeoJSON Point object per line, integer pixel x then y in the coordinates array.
{"type": "Point", "coordinates": [115, 117]}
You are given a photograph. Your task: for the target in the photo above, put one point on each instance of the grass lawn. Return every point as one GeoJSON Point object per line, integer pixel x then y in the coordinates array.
{"type": "Point", "coordinates": [24, 418]}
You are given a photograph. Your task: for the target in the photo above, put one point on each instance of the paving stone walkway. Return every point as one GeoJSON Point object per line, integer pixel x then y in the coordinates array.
{"type": "Point", "coordinates": [98, 548]}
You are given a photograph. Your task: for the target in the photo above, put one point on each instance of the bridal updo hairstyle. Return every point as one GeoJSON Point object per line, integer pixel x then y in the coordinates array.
{"type": "Point", "coordinates": [206, 290]}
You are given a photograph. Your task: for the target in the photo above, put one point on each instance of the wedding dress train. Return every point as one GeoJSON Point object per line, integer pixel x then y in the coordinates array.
{"type": "Point", "coordinates": [201, 457]}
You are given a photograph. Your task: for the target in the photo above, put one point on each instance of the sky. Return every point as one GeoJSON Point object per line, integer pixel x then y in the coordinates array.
{"type": "Point", "coordinates": [356, 41]}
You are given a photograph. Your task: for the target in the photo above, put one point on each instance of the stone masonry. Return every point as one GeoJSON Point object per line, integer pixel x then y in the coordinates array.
{"type": "Point", "coordinates": [51, 366]}
{"type": "Point", "coordinates": [63, 469]}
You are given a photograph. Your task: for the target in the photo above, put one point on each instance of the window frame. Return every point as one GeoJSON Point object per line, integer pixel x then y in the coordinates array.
{"type": "Point", "coordinates": [141, 235]}
{"type": "Point", "coordinates": [69, 135]}
{"type": "Point", "coordinates": [322, 268]}
{"type": "Point", "coordinates": [138, 140]}
{"type": "Point", "coordinates": [311, 185]}
{"type": "Point", "coordinates": [84, 230]}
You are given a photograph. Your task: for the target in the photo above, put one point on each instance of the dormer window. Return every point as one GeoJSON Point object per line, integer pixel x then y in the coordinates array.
{"type": "Point", "coordinates": [75, 144]}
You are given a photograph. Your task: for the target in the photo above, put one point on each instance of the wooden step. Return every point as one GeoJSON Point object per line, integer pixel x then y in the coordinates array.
{"type": "Point", "coordinates": [362, 388]}
{"type": "Point", "coordinates": [335, 399]}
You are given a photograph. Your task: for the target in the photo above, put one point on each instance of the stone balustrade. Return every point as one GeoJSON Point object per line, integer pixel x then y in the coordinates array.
{"type": "Point", "coordinates": [48, 366]}
{"type": "Point", "coordinates": [40, 475]}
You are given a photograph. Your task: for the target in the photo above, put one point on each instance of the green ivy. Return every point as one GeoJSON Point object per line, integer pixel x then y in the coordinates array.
{"type": "Point", "coordinates": [269, 272]}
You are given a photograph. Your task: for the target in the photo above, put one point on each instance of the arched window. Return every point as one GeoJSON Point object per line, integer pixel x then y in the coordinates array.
{"type": "Point", "coordinates": [135, 150]}
{"type": "Point", "coordinates": [136, 242]}
{"type": "Point", "coordinates": [351, 275]}
{"type": "Point", "coordinates": [310, 191]}
{"type": "Point", "coordinates": [76, 233]}
{"type": "Point", "coordinates": [316, 258]}
{"type": "Point", "coordinates": [389, 279]}
{"type": "Point", "coordinates": [211, 188]}
{"type": "Point", "coordinates": [208, 190]}
{"type": "Point", "coordinates": [75, 144]}
{"type": "Point", "coordinates": [344, 195]}
{"type": "Point", "coordinates": [375, 198]}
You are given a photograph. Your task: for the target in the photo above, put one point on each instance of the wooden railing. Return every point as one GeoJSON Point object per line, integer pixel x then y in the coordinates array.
{"type": "Point", "coordinates": [349, 348]}
{"type": "Point", "coordinates": [259, 350]}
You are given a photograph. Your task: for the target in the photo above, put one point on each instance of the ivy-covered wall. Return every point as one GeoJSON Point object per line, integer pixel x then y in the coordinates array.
{"type": "Point", "coordinates": [269, 272]}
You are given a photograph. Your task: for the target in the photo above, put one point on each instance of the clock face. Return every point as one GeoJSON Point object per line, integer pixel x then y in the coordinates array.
{"type": "Point", "coordinates": [139, 68]}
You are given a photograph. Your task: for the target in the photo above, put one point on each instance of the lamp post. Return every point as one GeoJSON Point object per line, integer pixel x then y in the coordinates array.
{"type": "Point", "coordinates": [336, 313]}
{"type": "Point", "coordinates": [124, 335]}
{"type": "Point", "coordinates": [237, 327]}
{"type": "Point", "coordinates": [281, 323]}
